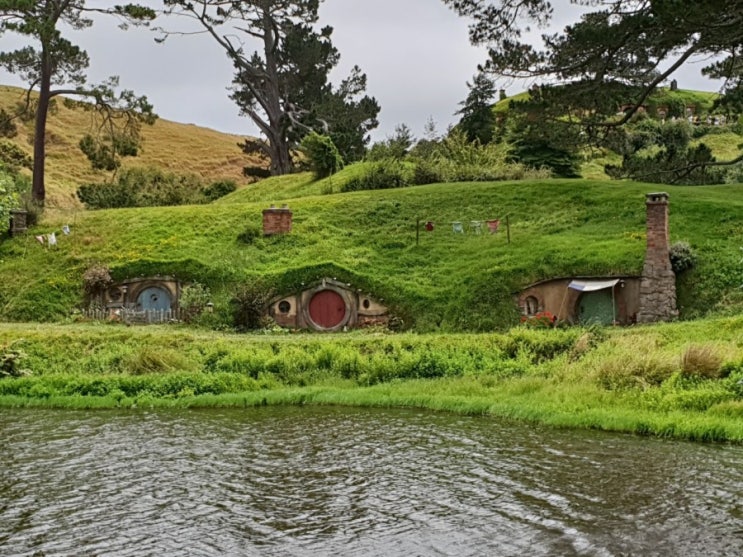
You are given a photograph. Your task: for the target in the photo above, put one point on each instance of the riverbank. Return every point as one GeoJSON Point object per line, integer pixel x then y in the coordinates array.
{"type": "Point", "coordinates": [681, 380]}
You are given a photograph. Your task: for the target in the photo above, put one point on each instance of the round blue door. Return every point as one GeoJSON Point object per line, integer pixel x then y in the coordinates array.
{"type": "Point", "coordinates": [154, 298]}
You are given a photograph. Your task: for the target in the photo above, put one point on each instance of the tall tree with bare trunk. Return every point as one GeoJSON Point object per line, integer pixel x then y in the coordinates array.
{"type": "Point", "coordinates": [53, 65]}
{"type": "Point", "coordinates": [282, 61]}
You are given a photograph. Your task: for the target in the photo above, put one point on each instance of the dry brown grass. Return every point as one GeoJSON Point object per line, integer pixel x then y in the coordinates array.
{"type": "Point", "coordinates": [183, 148]}
{"type": "Point", "coordinates": [701, 360]}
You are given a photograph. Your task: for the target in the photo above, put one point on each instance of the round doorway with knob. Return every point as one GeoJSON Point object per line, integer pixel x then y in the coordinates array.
{"type": "Point", "coordinates": [328, 310]}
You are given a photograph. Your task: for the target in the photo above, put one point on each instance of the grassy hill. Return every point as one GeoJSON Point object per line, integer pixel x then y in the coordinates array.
{"type": "Point", "coordinates": [446, 282]}
{"type": "Point", "coordinates": [443, 282]}
{"type": "Point", "coordinates": [701, 100]}
{"type": "Point", "coordinates": [182, 148]}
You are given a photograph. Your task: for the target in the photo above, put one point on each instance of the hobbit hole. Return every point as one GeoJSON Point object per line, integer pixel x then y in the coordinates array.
{"type": "Point", "coordinates": [143, 299]}
{"type": "Point", "coordinates": [621, 300]}
{"type": "Point", "coordinates": [328, 306]}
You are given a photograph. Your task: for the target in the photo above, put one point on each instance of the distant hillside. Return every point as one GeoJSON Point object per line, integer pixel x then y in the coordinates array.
{"type": "Point", "coordinates": [185, 148]}
{"type": "Point", "coordinates": [701, 100]}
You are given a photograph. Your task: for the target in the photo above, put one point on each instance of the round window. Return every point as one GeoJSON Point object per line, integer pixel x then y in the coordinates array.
{"type": "Point", "coordinates": [284, 306]}
{"type": "Point", "coordinates": [366, 304]}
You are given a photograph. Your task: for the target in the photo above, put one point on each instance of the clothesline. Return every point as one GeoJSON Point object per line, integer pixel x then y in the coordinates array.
{"type": "Point", "coordinates": [457, 227]}
{"type": "Point", "coordinates": [50, 239]}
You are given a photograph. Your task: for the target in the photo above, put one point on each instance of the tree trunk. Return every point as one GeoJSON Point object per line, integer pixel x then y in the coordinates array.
{"type": "Point", "coordinates": [278, 147]}
{"type": "Point", "coordinates": [281, 162]}
{"type": "Point", "coordinates": [38, 191]}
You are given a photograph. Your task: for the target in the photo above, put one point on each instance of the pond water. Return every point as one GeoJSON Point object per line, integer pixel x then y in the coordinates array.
{"type": "Point", "coordinates": [323, 481]}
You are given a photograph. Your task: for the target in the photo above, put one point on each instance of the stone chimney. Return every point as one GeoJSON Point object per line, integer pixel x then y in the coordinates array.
{"type": "Point", "coordinates": [658, 284]}
{"type": "Point", "coordinates": [277, 221]}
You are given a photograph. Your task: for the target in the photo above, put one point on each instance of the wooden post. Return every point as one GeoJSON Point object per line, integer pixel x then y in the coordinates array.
{"type": "Point", "coordinates": [508, 229]}
{"type": "Point", "coordinates": [417, 231]}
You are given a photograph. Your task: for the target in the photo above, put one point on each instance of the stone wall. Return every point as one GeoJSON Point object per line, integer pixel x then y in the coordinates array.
{"type": "Point", "coordinates": [658, 285]}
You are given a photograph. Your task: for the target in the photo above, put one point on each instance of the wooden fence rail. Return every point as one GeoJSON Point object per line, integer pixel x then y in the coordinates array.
{"type": "Point", "coordinates": [127, 315]}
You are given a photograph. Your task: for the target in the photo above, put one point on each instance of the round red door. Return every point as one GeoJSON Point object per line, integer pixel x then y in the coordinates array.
{"type": "Point", "coordinates": [327, 309]}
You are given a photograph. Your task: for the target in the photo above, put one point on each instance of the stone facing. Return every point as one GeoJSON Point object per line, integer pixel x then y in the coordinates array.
{"type": "Point", "coordinates": [658, 284]}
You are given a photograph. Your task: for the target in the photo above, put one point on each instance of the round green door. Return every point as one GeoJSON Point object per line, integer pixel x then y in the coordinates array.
{"type": "Point", "coordinates": [596, 307]}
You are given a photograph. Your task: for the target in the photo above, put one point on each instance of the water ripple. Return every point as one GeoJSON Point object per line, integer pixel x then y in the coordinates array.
{"type": "Point", "coordinates": [319, 481]}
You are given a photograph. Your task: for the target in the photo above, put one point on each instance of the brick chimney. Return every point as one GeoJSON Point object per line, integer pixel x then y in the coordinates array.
{"type": "Point", "coordinates": [658, 284]}
{"type": "Point", "coordinates": [277, 221]}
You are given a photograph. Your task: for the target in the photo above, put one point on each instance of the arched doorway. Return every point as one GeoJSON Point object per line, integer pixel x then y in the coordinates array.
{"type": "Point", "coordinates": [327, 309]}
{"type": "Point", "coordinates": [154, 298]}
{"type": "Point", "coordinates": [596, 308]}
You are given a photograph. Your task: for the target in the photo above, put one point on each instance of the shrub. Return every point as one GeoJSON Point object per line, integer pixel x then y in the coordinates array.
{"type": "Point", "coordinates": [218, 189]}
{"type": "Point", "coordinates": [96, 279]}
{"type": "Point", "coordinates": [541, 320]}
{"type": "Point", "coordinates": [395, 147]}
{"type": "Point", "coordinates": [538, 346]}
{"type": "Point", "coordinates": [100, 155]}
{"type": "Point", "coordinates": [701, 360]}
{"type": "Point", "coordinates": [194, 299]}
{"type": "Point", "coordinates": [256, 172]}
{"type": "Point", "coordinates": [249, 235]}
{"type": "Point", "coordinates": [379, 176]}
{"type": "Point", "coordinates": [682, 257]}
{"type": "Point", "coordinates": [10, 359]}
{"type": "Point", "coordinates": [249, 304]}
{"type": "Point", "coordinates": [143, 187]}
{"type": "Point", "coordinates": [427, 172]}
{"type": "Point", "coordinates": [7, 126]}
{"type": "Point", "coordinates": [322, 153]}
{"type": "Point", "coordinates": [13, 156]}
{"type": "Point", "coordinates": [8, 196]}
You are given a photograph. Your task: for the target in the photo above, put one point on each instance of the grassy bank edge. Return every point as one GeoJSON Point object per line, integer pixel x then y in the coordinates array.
{"type": "Point", "coordinates": [512, 402]}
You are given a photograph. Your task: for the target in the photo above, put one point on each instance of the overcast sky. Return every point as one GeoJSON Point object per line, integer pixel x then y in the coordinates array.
{"type": "Point", "coordinates": [416, 55]}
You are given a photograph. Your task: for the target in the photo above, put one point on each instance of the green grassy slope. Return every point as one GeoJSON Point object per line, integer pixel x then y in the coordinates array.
{"type": "Point", "coordinates": [662, 96]}
{"type": "Point", "coordinates": [447, 282]}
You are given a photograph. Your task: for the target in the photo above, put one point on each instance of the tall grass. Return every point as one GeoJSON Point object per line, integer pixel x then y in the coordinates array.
{"type": "Point", "coordinates": [628, 380]}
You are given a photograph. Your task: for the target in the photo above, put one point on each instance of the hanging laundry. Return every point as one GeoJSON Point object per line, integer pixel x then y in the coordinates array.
{"type": "Point", "coordinates": [457, 227]}
{"type": "Point", "coordinates": [429, 226]}
{"type": "Point", "coordinates": [52, 239]}
{"type": "Point", "coordinates": [493, 225]}
{"type": "Point", "coordinates": [476, 226]}
{"type": "Point", "coordinates": [66, 230]}
{"type": "Point", "coordinates": [40, 239]}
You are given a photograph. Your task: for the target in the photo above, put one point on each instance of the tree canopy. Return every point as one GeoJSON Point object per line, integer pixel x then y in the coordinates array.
{"type": "Point", "coordinates": [617, 53]}
{"type": "Point", "coordinates": [53, 65]}
{"type": "Point", "coordinates": [282, 85]}
{"type": "Point", "coordinates": [478, 120]}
